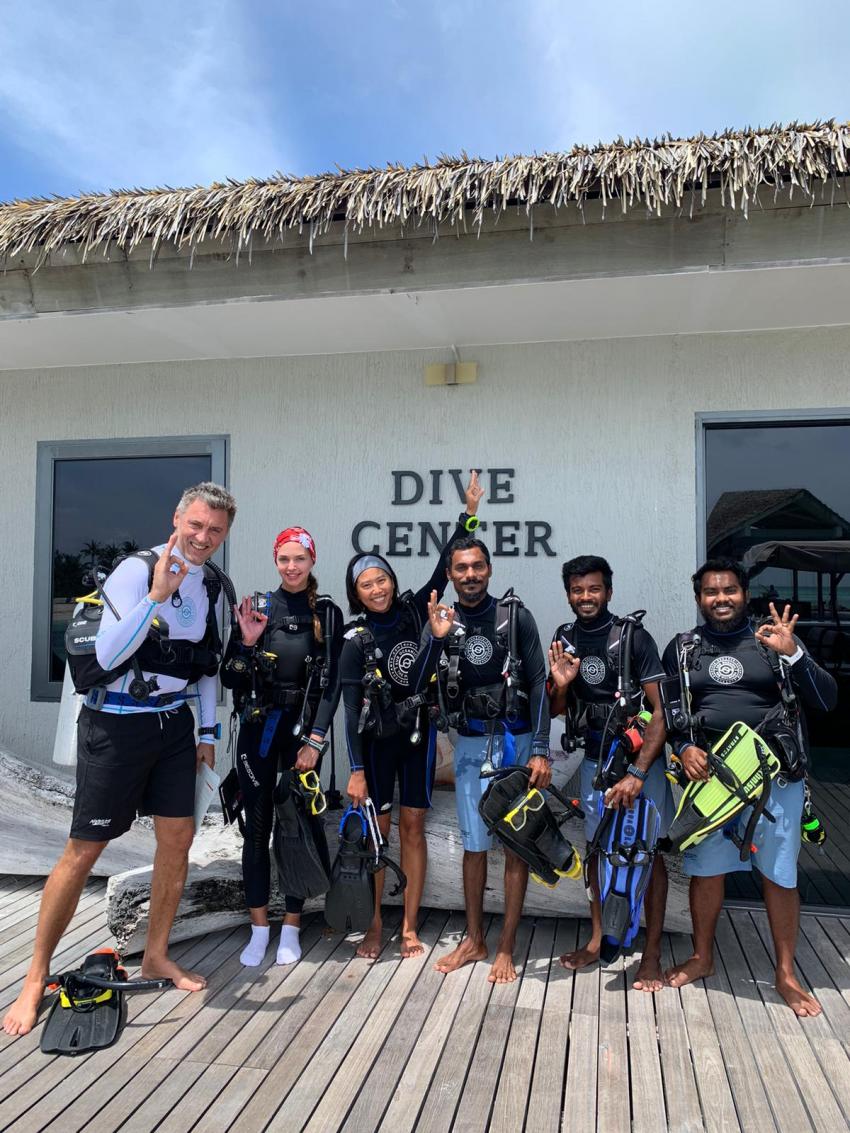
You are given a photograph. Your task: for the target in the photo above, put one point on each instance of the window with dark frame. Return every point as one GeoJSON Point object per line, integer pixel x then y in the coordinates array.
{"type": "Point", "coordinates": [96, 501]}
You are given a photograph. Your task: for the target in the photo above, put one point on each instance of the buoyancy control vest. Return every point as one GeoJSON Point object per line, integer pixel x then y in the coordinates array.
{"type": "Point", "coordinates": [158, 653]}
{"type": "Point", "coordinates": [583, 715]}
{"type": "Point", "coordinates": [782, 726]}
{"type": "Point", "coordinates": [495, 650]}
{"type": "Point", "coordinates": [382, 713]}
{"type": "Point", "coordinates": [273, 684]}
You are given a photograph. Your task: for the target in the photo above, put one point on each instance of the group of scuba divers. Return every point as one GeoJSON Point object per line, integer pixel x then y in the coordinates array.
{"type": "Point", "coordinates": [728, 697]}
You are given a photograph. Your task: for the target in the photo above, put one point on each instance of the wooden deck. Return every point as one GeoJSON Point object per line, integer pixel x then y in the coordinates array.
{"type": "Point", "coordinates": [338, 1043]}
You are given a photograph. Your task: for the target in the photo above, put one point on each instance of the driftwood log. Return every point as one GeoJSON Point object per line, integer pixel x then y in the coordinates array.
{"type": "Point", "coordinates": [213, 898]}
{"type": "Point", "coordinates": [36, 817]}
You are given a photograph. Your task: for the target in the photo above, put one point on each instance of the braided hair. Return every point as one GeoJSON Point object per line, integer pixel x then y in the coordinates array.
{"type": "Point", "coordinates": [312, 592]}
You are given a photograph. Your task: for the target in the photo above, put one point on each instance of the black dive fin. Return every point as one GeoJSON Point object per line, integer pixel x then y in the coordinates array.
{"type": "Point", "coordinates": [89, 1011]}
{"type": "Point", "coordinates": [350, 901]}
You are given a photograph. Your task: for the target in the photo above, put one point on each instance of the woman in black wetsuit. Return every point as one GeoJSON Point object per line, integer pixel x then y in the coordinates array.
{"type": "Point", "coordinates": [283, 666]}
{"type": "Point", "coordinates": [389, 739]}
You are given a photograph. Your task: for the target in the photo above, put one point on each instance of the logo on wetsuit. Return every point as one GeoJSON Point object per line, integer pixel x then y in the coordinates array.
{"type": "Point", "coordinates": [726, 670]}
{"type": "Point", "coordinates": [400, 660]}
{"type": "Point", "coordinates": [593, 670]}
{"type": "Point", "coordinates": [186, 612]}
{"type": "Point", "coordinates": [478, 650]}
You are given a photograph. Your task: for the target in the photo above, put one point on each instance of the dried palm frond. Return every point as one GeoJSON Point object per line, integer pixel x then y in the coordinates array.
{"type": "Point", "coordinates": [452, 192]}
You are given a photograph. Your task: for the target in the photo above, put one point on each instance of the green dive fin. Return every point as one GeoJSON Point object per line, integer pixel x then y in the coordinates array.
{"type": "Point", "coordinates": [742, 766]}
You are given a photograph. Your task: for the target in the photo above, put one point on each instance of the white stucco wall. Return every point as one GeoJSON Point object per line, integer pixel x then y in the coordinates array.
{"type": "Point", "coordinates": [601, 435]}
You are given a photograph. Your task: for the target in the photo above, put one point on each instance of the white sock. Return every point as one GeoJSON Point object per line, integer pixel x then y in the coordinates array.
{"type": "Point", "coordinates": [289, 949]}
{"type": "Point", "coordinates": [254, 951]}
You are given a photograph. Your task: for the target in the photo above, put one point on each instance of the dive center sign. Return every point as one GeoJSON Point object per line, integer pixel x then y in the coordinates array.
{"type": "Point", "coordinates": [507, 538]}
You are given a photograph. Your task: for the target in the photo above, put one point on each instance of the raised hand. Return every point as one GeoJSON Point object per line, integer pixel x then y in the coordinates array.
{"type": "Point", "coordinates": [563, 665]}
{"type": "Point", "coordinates": [778, 633]}
{"type": "Point", "coordinates": [440, 618]}
{"type": "Point", "coordinates": [251, 622]}
{"type": "Point", "coordinates": [473, 493]}
{"type": "Point", "coordinates": [166, 580]}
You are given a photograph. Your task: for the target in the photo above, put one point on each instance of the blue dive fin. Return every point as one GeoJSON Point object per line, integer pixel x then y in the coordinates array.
{"type": "Point", "coordinates": [627, 848]}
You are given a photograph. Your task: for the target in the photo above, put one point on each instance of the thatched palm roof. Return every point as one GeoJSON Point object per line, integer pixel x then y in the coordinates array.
{"type": "Point", "coordinates": [453, 192]}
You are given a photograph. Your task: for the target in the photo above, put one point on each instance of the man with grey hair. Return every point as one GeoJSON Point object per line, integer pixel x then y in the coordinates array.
{"type": "Point", "coordinates": [136, 747]}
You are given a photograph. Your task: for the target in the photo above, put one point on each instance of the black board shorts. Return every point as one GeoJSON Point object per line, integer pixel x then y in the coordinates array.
{"type": "Point", "coordinates": [138, 763]}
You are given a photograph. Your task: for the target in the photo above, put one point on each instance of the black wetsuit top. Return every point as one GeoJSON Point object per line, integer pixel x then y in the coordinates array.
{"type": "Point", "coordinates": [596, 683]}
{"type": "Point", "coordinates": [733, 679]}
{"type": "Point", "coordinates": [396, 634]}
{"type": "Point", "coordinates": [290, 635]}
{"type": "Point", "coordinates": [483, 659]}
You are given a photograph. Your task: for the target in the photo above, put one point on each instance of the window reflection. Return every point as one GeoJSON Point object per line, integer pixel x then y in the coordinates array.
{"type": "Point", "coordinates": [107, 507]}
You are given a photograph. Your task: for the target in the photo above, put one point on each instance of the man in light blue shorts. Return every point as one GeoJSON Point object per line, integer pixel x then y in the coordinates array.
{"type": "Point", "coordinates": [738, 672]}
{"type": "Point", "coordinates": [494, 693]}
{"type": "Point", "coordinates": [583, 686]}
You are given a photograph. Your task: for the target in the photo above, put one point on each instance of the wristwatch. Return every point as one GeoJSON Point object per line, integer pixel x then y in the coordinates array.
{"type": "Point", "coordinates": [632, 769]}
{"type": "Point", "coordinates": [210, 733]}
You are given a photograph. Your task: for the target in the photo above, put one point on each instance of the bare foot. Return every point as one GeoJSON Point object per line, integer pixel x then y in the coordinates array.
{"type": "Point", "coordinates": [581, 958]}
{"type": "Point", "coordinates": [502, 970]}
{"type": "Point", "coordinates": [21, 1016]}
{"type": "Point", "coordinates": [693, 969]}
{"type": "Point", "coordinates": [467, 952]}
{"type": "Point", "coordinates": [370, 946]}
{"type": "Point", "coordinates": [800, 1002]}
{"type": "Point", "coordinates": [649, 976]}
{"type": "Point", "coordinates": [166, 969]}
{"type": "Point", "coordinates": [411, 945]}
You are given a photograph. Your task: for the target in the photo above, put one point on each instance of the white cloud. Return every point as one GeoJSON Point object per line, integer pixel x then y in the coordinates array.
{"type": "Point", "coordinates": [137, 93]}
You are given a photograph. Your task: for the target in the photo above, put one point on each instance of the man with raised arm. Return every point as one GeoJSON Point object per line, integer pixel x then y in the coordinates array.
{"type": "Point", "coordinates": [466, 648]}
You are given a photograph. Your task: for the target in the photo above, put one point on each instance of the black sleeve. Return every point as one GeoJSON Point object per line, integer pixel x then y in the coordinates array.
{"type": "Point", "coordinates": [817, 688]}
{"type": "Point", "coordinates": [330, 695]}
{"type": "Point", "coordinates": [351, 679]}
{"type": "Point", "coordinates": [229, 677]}
{"type": "Point", "coordinates": [425, 666]}
{"type": "Point", "coordinates": [534, 671]}
{"type": "Point", "coordinates": [438, 580]}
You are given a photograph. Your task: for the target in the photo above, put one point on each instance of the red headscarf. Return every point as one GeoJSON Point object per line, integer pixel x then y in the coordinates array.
{"type": "Point", "coordinates": [295, 535]}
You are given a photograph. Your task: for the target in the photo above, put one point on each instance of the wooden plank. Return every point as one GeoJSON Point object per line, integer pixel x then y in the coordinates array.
{"type": "Point", "coordinates": [476, 1101]}
{"type": "Point", "coordinates": [376, 1089]}
{"type": "Point", "coordinates": [751, 1104]}
{"type": "Point", "coordinates": [579, 1114]}
{"type": "Point", "coordinates": [22, 930]}
{"type": "Point", "coordinates": [550, 1064]}
{"type": "Point", "coordinates": [827, 1052]}
{"type": "Point", "coordinates": [613, 1110]}
{"type": "Point", "coordinates": [715, 1091]}
{"type": "Point", "coordinates": [403, 1110]}
{"type": "Point", "coordinates": [438, 1109]}
{"type": "Point", "coordinates": [63, 1092]}
{"type": "Point", "coordinates": [262, 1043]}
{"type": "Point", "coordinates": [150, 1090]}
{"type": "Point", "coordinates": [648, 1105]}
{"type": "Point", "coordinates": [341, 1092]}
{"type": "Point", "coordinates": [514, 1084]}
{"type": "Point", "coordinates": [330, 1024]}
{"type": "Point", "coordinates": [226, 1092]}
{"type": "Point", "coordinates": [207, 1033]}
{"type": "Point", "coordinates": [683, 1107]}
{"type": "Point", "coordinates": [826, 972]}
{"type": "Point", "coordinates": [176, 1114]}
{"type": "Point", "coordinates": [346, 1033]}
{"type": "Point", "coordinates": [785, 1101]}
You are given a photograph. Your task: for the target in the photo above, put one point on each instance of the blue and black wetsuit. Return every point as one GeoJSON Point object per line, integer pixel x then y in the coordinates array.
{"type": "Point", "coordinates": [267, 745]}
{"type": "Point", "coordinates": [390, 757]}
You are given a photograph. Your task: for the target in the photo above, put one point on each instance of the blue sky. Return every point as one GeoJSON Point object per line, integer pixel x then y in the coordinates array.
{"type": "Point", "coordinates": [100, 95]}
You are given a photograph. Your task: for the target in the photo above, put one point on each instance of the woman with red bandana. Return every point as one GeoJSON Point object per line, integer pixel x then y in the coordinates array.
{"type": "Point", "coordinates": [283, 666]}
